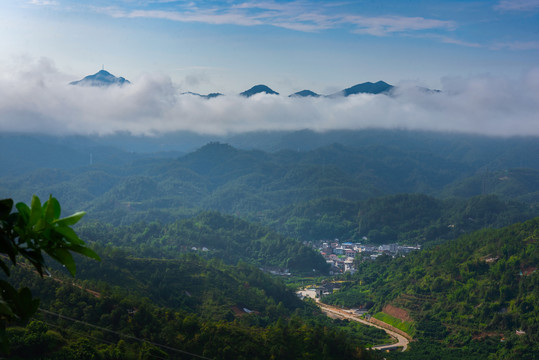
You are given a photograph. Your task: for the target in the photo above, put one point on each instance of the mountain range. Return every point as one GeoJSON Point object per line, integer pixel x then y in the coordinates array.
{"type": "Point", "coordinates": [103, 79]}
{"type": "Point", "coordinates": [380, 87]}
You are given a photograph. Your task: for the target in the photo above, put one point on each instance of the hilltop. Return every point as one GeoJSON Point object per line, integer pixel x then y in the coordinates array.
{"type": "Point", "coordinates": [101, 79]}
{"type": "Point", "coordinates": [258, 89]}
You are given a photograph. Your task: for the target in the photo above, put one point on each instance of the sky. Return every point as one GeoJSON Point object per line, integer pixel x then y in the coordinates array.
{"type": "Point", "coordinates": [482, 55]}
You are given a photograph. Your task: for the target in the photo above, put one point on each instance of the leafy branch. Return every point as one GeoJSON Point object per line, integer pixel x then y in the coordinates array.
{"type": "Point", "coordinates": [28, 232]}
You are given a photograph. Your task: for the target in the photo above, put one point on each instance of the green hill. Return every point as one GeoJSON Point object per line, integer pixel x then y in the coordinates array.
{"type": "Point", "coordinates": [403, 218]}
{"type": "Point", "coordinates": [188, 308]}
{"type": "Point", "coordinates": [211, 235]}
{"type": "Point", "coordinates": [252, 182]}
{"type": "Point", "coordinates": [478, 293]}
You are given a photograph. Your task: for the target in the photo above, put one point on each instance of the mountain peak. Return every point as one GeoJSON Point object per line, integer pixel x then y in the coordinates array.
{"type": "Point", "coordinates": [379, 87]}
{"type": "Point", "coordinates": [304, 93]}
{"type": "Point", "coordinates": [101, 78]}
{"type": "Point", "coordinates": [258, 89]}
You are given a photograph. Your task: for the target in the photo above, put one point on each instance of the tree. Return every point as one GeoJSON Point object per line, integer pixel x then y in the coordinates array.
{"type": "Point", "coordinates": [28, 232]}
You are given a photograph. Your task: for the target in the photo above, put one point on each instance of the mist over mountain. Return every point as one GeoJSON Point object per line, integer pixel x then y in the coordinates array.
{"type": "Point", "coordinates": [165, 211]}
{"type": "Point", "coordinates": [208, 96]}
{"type": "Point", "coordinates": [379, 87]}
{"type": "Point", "coordinates": [101, 78]}
{"type": "Point", "coordinates": [152, 105]}
{"type": "Point", "coordinates": [304, 93]}
{"type": "Point", "coordinates": [258, 89]}
{"type": "Point", "coordinates": [104, 78]}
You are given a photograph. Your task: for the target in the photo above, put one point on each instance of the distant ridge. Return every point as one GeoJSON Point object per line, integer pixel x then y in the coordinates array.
{"type": "Point", "coordinates": [209, 96]}
{"type": "Point", "coordinates": [380, 87]}
{"type": "Point", "coordinates": [304, 93]}
{"type": "Point", "coordinates": [257, 89]}
{"type": "Point", "coordinates": [101, 79]}
{"type": "Point", "coordinates": [104, 78]}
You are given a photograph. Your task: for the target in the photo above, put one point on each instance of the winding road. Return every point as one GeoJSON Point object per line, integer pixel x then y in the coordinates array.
{"type": "Point", "coordinates": [348, 314]}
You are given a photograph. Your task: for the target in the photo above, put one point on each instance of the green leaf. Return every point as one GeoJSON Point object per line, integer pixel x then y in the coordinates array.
{"type": "Point", "coordinates": [24, 211]}
{"type": "Point", "coordinates": [5, 309]}
{"type": "Point", "coordinates": [4, 267]}
{"type": "Point", "coordinates": [36, 258]}
{"type": "Point", "coordinates": [86, 252]}
{"type": "Point", "coordinates": [69, 234]}
{"type": "Point", "coordinates": [5, 208]}
{"type": "Point", "coordinates": [8, 247]}
{"type": "Point", "coordinates": [26, 304]}
{"type": "Point", "coordinates": [35, 212]}
{"type": "Point", "coordinates": [52, 209]}
{"type": "Point", "coordinates": [64, 257]}
{"type": "Point", "coordinates": [70, 220]}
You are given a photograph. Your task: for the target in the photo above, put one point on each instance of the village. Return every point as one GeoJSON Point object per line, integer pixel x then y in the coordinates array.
{"type": "Point", "coordinates": [341, 255]}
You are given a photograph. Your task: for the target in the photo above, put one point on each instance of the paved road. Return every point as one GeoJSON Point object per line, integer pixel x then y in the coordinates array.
{"type": "Point", "coordinates": [347, 314]}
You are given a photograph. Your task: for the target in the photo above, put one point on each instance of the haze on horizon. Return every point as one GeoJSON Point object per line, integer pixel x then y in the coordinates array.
{"type": "Point", "coordinates": [482, 55]}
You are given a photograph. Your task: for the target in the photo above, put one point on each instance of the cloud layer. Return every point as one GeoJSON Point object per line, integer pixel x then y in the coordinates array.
{"type": "Point", "coordinates": [296, 15]}
{"type": "Point", "coordinates": [36, 98]}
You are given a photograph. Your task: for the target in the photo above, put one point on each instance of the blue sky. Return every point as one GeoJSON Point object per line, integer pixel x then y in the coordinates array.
{"type": "Point", "coordinates": [228, 46]}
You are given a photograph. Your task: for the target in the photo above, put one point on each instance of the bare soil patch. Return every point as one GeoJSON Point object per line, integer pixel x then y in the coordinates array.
{"type": "Point", "coordinates": [396, 312]}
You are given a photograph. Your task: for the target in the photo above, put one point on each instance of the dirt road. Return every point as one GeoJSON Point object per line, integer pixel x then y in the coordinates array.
{"type": "Point", "coordinates": [348, 314]}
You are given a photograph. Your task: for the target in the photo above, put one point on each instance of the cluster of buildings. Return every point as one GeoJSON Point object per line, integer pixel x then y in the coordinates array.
{"type": "Point", "coordinates": [341, 256]}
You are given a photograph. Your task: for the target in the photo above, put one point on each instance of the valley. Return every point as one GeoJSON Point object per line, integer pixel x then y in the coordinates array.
{"type": "Point", "coordinates": [201, 248]}
{"type": "Point", "coordinates": [269, 180]}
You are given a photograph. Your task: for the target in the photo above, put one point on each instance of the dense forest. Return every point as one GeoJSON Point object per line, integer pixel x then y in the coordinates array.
{"type": "Point", "coordinates": [126, 308]}
{"type": "Point", "coordinates": [402, 218]}
{"type": "Point", "coordinates": [121, 187]}
{"type": "Point", "coordinates": [211, 235]}
{"type": "Point", "coordinates": [203, 246]}
{"type": "Point", "coordinates": [466, 294]}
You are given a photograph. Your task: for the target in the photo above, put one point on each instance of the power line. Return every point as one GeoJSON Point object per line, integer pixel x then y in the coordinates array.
{"type": "Point", "coordinates": [79, 333]}
{"type": "Point", "coordinates": [124, 335]}
{"type": "Point", "coordinates": [96, 339]}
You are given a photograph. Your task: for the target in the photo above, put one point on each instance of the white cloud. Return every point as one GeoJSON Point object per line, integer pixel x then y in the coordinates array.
{"type": "Point", "coordinates": [517, 5]}
{"type": "Point", "coordinates": [207, 16]}
{"type": "Point", "coordinates": [43, 2]}
{"type": "Point", "coordinates": [37, 99]}
{"type": "Point", "coordinates": [297, 15]}
{"type": "Point", "coordinates": [517, 45]}
{"type": "Point", "coordinates": [384, 25]}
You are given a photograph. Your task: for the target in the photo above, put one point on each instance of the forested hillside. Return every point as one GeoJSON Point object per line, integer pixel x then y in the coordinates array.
{"type": "Point", "coordinates": [253, 183]}
{"type": "Point", "coordinates": [135, 308]}
{"type": "Point", "coordinates": [211, 235]}
{"type": "Point", "coordinates": [404, 218]}
{"type": "Point", "coordinates": [188, 241]}
{"type": "Point", "coordinates": [476, 295]}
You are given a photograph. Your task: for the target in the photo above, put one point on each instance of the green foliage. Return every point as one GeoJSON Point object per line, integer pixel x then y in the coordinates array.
{"type": "Point", "coordinates": [39, 228]}
{"type": "Point", "coordinates": [109, 325]}
{"type": "Point", "coordinates": [405, 326]}
{"type": "Point", "coordinates": [221, 236]}
{"type": "Point", "coordinates": [30, 232]}
{"type": "Point", "coordinates": [479, 286]}
{"type": "Point", "coordinates": [350, 298]}
{"type": "Point", "coordinates": [150, 285]}
{"type": "Point", "coordinates": [403, 218]}
{"type": "Point", "coordinates": [255, 183]}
